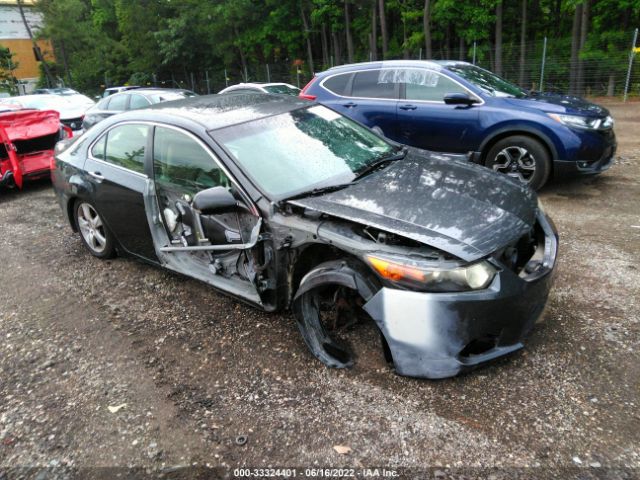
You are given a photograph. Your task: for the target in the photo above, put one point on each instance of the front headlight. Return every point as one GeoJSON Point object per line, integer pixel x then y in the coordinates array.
{"type": "Point", "coordinates": [420, 276]}
{"type": "Point", "coordinates": [577, 121]}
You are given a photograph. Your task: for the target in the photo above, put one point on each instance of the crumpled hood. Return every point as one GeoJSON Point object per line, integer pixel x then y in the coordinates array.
{"type": "Point", "coordinates": [458, 207]}
{"type": "Point", "coordinates": [26, 124]}
{"type": "Point", "coordinates": [556, 103]}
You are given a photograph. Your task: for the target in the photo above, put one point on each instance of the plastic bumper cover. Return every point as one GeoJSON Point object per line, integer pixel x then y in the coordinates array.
{"type": "Point", "coordinates": [582, 167]}
{"type": "Point", "coordinates": [438, 335]}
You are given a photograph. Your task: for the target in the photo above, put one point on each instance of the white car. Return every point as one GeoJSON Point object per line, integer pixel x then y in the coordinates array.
{"type": "Point", "coordinates": [71, 109]}
{"type": "Point", "coordinates": [113, 90]}
{"type": "Point", "coordinates": [276, 88]}
{"type": "Point", "coordinates": [70, 94]}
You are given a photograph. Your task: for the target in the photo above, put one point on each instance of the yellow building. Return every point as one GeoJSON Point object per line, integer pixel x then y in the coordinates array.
{"type": "Point", "coordinates": [14, 36]}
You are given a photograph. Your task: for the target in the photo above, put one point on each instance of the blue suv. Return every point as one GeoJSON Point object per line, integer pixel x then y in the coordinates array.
{"type": "Point", "coordinates": [457, 107]}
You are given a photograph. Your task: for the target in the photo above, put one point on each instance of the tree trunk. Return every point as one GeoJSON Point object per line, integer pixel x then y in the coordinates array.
{"type": "Point", "coordinates": [498, 67]}
{"type": "Point", "coordinates": [447, 42]}
{"type": "Point", "coordinates": [575, 47]}
{"type": "Point", "coordinates": [584, 28]}
{"type": "Point", "coordinates": [307, 35]}
{"type": "Point", "coordinates": [36, 48]}
{"type": "Point", "coordinates": [612, 85]}
{"type": "Point", "coordinates": [243, 59]}
{"type": "Point", "coordinates": [557, 16]}
{"type": "Point", "coordinates": [374, 31]}
{"type": "Point", "coordinates": [347, 30]}
{"type": "Point", "coordinates": [523, 44]}
{"type": "Point", "coordinates": [491, 57]}
{"type": "Point", "coordinates": [426, 25]}
{"type": "Point", "coordinates": [405, 43]}
{"type": "Point", "coordinates": [325, 46]}
{"type": "Point", "coordinates": [65, 61]}
{"type": "Point", "coordinates": [336, 47]}
{"type": "Point", "coordinates": [462, 51]}
{"type": "Point", "coordinates": [383, 29]}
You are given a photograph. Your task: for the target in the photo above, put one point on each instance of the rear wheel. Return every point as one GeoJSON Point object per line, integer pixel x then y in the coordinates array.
{"type": "Point", "coordinates": [522, 158]}
{"type": "Point", "coordinates": [94, 233]}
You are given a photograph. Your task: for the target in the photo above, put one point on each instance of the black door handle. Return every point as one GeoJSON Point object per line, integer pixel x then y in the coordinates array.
{"type": "Point", "coordinates": [350, 105]}
{"type": "Point", "coordinates": [408, 107]}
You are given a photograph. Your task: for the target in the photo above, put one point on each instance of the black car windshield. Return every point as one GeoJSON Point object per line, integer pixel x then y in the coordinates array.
{"type": "Point", "coordinates": [487, 81]}
{"type": "Point", "coordinates": [302, 150]}
{"type": "Point", "coordinates": [282, 89]}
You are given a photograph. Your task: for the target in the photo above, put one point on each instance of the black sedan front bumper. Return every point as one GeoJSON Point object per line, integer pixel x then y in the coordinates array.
{"type": "Point", "coordinates": [438, 335]}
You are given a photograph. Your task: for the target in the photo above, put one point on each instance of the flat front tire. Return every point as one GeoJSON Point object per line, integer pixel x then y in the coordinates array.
{"type": "Point", "coordinates": [94, 233]}
{"type": "Point", "coordinates": [521, 157]}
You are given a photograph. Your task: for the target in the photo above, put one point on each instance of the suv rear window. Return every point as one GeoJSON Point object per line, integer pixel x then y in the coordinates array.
{"type": "Point", "coordinates": [368, 84]}
{"type": "Point", "coordinates": [338, 84]}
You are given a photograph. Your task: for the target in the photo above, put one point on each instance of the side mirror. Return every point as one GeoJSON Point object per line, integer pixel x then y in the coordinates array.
{"type": "Point", "coordinates": [214, 200]}
{"type": "Point", "coordinates": [459, 99]}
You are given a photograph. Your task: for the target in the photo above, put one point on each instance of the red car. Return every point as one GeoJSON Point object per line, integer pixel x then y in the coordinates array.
{"type": "Point", "coordinates": [27, 140]}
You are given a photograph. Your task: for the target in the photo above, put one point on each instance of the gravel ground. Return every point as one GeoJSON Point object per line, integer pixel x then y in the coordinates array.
{"type": "Point", "coordinates": [108, 364]}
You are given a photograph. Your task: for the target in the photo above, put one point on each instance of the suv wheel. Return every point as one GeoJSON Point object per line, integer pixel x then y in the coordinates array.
{"type": "Point", "coordinates": [522, 158]}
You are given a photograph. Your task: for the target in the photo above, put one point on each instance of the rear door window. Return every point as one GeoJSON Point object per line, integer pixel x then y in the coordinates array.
{"type": "Point", "coordinates": [126, 146]}
{"type": "Point", "coordinates": [97, 151]}
{"type": "Point", "coordinates": [118, 103]}
{"type": "Point", "coordinates": [103, 104]}
{"type": "Point", "coordinates": [138, 101]}
{"type": "Point", "coordinates": [374, 84]}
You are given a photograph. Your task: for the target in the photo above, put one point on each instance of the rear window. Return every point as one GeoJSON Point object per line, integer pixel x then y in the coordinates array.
{"type": "Point", "coordinates": [138, 101]}
{"type": "Point", "coordinates": [373, 84]}
{"type": "Point", "coordinates": [338, 84]}
{"type": "Point", "coordinates": [118, 103]}
{"type": "Point", "coordinates": [102, 104]}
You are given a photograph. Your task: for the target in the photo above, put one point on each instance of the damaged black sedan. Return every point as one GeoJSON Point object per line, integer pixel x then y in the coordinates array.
{"type": "Point", "coordinates": [289, 205]}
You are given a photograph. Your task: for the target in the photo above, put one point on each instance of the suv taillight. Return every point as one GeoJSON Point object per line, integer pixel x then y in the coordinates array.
{"type": "Point", "coordinates": [303, 92]}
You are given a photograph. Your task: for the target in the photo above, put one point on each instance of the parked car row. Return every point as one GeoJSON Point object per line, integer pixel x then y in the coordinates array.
{"type": "Point", "coordinates": [131, 99]}
{"type": "Point", "coordinates": [71, 108]}
{"type": "Point", "coordinates": [32, 124]}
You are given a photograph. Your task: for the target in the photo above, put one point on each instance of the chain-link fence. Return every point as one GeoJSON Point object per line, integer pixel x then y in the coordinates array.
{"type": "Point", "coordinates": [606, 68]}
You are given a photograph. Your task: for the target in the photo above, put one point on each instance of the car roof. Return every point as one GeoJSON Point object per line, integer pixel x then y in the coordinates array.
{"type": "Point", "coordinates": [259, 84]}
{"type": "Point", "coordinates": [218, 111]}
{"type": "Point", "coordinates": [430, 64]}
{"type": "Point", "coordinates": [123, 87]}
{"type": "Point", "coordinates": [20, 99]}
{"type": "Point", "coordinates": [150, 91]}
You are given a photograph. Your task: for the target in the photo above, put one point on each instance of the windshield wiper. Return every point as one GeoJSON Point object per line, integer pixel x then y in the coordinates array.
{"type": "Point", "coordinates": [380, 162]}
{"type": "Point", "coordinates": [318, 191]}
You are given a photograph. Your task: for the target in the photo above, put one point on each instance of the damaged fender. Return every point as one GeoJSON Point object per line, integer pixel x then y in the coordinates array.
{"type": "Point", "coordinates": [339, 273]}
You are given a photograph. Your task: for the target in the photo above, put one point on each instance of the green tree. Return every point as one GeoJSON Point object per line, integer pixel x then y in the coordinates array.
{"type": "Point", "coordinates": [7, 68]}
